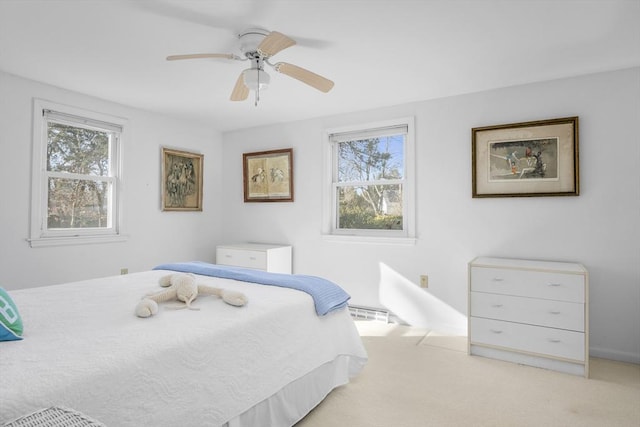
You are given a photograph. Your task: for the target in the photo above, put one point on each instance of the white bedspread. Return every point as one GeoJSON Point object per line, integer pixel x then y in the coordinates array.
{"type": "Point", "coordinates": [83, 348]}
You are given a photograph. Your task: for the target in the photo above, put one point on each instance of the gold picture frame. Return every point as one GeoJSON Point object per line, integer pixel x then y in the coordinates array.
{"type": "Point", "coordinates": [528, 159]}
{"type": "Point", "coordinates": [268, 176]}
{"type": "Point", "coordinates": [181, 180]}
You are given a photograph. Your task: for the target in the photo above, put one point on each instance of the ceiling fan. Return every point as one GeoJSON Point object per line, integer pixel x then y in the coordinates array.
{"type": "Point", "coordinates": [258, 46]}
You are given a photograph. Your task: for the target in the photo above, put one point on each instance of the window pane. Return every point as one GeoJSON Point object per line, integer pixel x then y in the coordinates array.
{"type": "Point", "coordinates": [75, 203]}
{"type": "Point", "coordinates": [372, 207]}
{"type": "Point", "coordinates": [77, 150]}
{"type": "Point", "coordinates": [371, 159]}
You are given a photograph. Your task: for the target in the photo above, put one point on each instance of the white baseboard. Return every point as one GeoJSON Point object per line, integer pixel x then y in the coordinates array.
{"type": "Point", "coordinates": [621, 356]}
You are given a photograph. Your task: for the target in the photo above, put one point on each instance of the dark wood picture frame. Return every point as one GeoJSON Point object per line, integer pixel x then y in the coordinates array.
{"type": "Point", "coordinates": [181, 180]}
{"type": "Point", "coordinates": [268, 176]}
{"type": "Point", "coordinates": [528, 159]}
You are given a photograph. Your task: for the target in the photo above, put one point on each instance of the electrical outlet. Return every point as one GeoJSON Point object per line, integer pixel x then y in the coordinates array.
{"type": "Point", "coordinates": [424, 281]}
{"type": "Point", "coordinates": [124, 271]}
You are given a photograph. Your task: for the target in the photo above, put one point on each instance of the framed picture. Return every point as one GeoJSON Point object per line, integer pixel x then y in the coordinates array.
{"type": "Point", "coordinates": [181, 180]}
{"type": "Point", "coordinates": [268, 176]}
{"type": "Point", "coordinates": [538, 158]}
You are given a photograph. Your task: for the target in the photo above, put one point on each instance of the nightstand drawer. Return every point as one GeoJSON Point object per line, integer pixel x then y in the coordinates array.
{"type": "Point", "coordinates": [534, 284]}
{"type": "Point", "coordinates": [269, 257]}
{"type": "Point", "coordinates": [532, 339]}
{"type": "Point", "coordinates": [542, 312]}
{"type": "Point", "coordinates": [241, 258]}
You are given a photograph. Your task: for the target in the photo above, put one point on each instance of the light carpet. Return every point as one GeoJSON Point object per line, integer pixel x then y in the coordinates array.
{"type": "Point", "coordinates": [418, 378]}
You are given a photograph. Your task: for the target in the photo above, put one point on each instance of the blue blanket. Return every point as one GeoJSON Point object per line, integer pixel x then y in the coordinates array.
{"type": "Point", "coordinates": [327, 296]}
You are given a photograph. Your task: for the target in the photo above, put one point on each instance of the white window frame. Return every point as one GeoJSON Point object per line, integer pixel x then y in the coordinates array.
{"type": "Point", "coordinates": [40, 235]}
{"type": "Point", "coordinates": [330, 208]}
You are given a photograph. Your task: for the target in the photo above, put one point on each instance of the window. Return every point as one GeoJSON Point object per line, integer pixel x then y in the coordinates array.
{"type": "Point", "coordinates": [76, 176]}
{"type": "Point", "coordinates": [369, 188]}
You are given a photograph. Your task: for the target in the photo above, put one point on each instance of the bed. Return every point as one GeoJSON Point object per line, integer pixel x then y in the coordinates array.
{"type": "Point", "coordinates": [267, 363]}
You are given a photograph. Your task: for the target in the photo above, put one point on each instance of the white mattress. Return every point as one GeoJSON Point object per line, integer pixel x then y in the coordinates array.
{"type": "Point", "coordinates": [83, 348]}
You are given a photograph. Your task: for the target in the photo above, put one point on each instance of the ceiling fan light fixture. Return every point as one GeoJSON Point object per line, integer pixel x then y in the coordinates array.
{"type": "Point", "coordinates": [256, 79]}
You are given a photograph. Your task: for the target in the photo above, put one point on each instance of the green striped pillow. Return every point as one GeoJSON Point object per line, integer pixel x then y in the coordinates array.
{"type": "Point", "coordinates": [10, 321]}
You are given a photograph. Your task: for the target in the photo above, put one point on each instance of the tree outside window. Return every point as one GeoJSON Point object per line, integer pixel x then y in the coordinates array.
{"type": "Point", "coordinates": [78, 177]}
{"type": "Point", "coordinates": [370, 183]}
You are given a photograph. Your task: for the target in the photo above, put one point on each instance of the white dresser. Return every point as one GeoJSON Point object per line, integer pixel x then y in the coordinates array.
{"type": "Point", "coordinates": [260, 256]}
{"type": "Point", "coordinates": [530, 312]}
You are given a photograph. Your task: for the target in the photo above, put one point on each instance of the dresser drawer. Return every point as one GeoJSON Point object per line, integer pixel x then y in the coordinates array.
{"type": "Point", "coordinates": [241, 258]}
{"type": "Point", "coordinates": [533, 339]}
{"type": "Point", "coordinates": [535, 284]}
{"type": "Point", "coordinates": [542, 312]}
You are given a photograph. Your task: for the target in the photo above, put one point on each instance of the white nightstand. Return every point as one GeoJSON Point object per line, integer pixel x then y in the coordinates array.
{"type": "Point", "coordinates": [260, 256]}
{"type": "Point", "coordinates": [530, 312]}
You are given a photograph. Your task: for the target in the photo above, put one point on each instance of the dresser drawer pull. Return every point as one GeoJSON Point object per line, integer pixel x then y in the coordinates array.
{"type": "Point", "coordinates": [555, 284]}
{"type": "Point", "coordinates": [496, 331]}
{"type": "Point", "coordinates": [554, 340]}
{"type": "Point", "coordinates": [498, 279]}
{"type": "Point", "coordinates": [252, 258]}
{"type": "Point", "coordinates": [228, 256]}
{"type": "Point", "coordinates": [496, 305]}
{"type": "Point", "coordinates": [554, 312]}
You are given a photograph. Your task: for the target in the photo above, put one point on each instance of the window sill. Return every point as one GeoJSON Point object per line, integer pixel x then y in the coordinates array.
{"type": "Point", "coordinates": [408, 241]}
{"type": "Point", "coordinates": [75, 240]}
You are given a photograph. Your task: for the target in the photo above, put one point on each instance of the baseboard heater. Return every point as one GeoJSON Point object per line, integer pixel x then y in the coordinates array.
{"type": "Point", "coordinates": [368, 313]}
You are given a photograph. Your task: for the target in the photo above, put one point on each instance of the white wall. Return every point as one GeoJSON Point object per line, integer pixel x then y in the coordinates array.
{"type": "Point", "coordinates": [155, 236]}
{"type": "Point", "coordinates": [600, 228]}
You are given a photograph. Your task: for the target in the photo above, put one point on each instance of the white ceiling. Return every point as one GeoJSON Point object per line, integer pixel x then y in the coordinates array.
{"type": "Point", "coordinates": [378, 53]}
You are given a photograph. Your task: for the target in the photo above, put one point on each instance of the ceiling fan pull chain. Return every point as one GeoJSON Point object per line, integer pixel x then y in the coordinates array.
{"type": "Point", "coordinates": [258, 88]}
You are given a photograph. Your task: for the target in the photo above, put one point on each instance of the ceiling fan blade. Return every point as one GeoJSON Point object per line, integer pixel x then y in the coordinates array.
{"type": "Point", "coordinates": [202, 55]}
{"type": "Point", "coordinates": [274, 43]}
{"type": "Point", "coordinates": [305, 76]}
{"type": "Point", "coordinates": [240, 90]}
